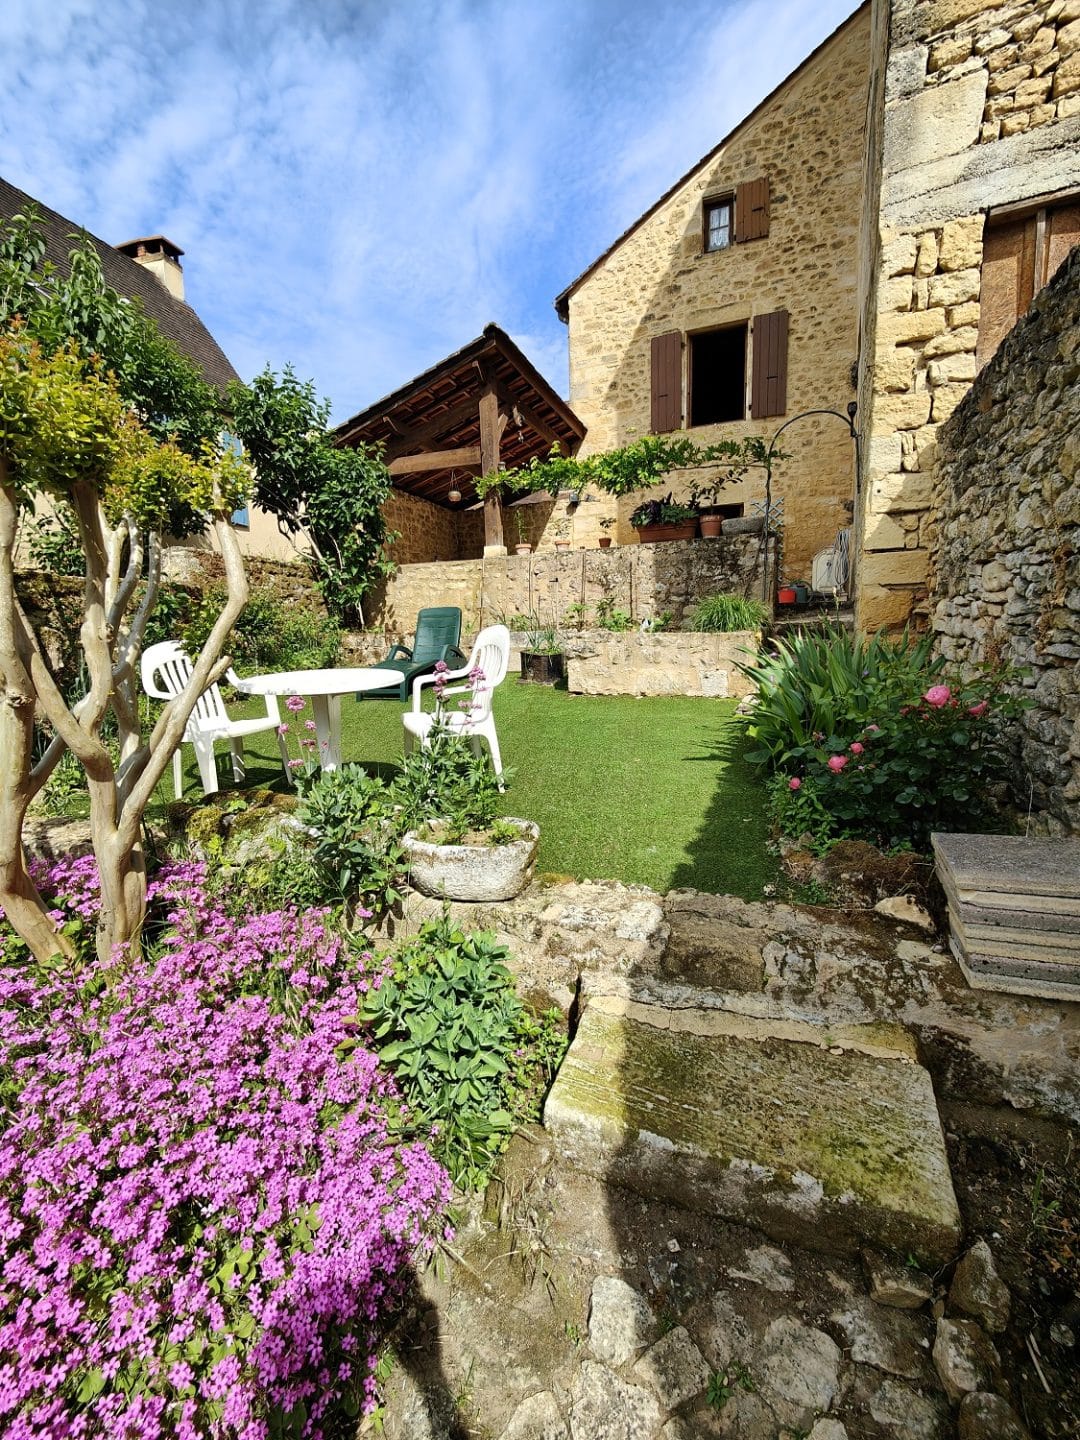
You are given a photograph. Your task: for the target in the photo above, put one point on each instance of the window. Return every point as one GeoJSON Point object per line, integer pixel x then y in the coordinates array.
{"type": "Point", "coordinates": [718, 376]}
{"type": "Point", "coordinates": [1023, 245]}
{"type": "Point", "coordinates": [241, 518]}
{"type": "Point", "coordinates": [719, 223]}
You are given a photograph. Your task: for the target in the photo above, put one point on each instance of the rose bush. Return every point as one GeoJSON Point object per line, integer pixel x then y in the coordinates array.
{"type": "Point", "coordinates": [205, 1206]}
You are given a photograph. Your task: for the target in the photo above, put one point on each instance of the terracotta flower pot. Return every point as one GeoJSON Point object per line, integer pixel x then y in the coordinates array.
{"type": "Point", "coordinates": [711, 526]}
{"type": "Point", "coordinates": [605, 542]}
{"type": "Point", "coordinates": [681, 530]}
{"type": "Point", "coordinates": [522, 549]}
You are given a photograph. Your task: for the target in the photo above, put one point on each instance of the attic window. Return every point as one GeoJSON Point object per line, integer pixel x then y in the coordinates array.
{"type": "Point", "coordinates": [719, 222]}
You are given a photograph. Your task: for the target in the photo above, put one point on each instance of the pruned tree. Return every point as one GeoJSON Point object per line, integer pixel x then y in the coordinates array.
{"type": "Point", "coordinates": [333, 496]}
{"type": "Point", "coordinates": [101, 418]}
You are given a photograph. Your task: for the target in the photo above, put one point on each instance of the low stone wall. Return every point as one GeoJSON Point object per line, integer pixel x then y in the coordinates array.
{"type": "Point", "coordinates": [1006, 561]}
{"type": "Point", "coordinates": [685, 663]}
{"type": "Point", "coordinates": [643, 580]}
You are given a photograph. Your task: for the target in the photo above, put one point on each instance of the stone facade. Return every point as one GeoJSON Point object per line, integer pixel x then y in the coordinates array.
{"type": "Point", "coordinates": [1006, 554]}
{"type": "Point", "coordinates": [643, 580]}
{"type": "Point", "coordinates": [807, 139]}
{"type": "Point", "coordinates": [975, 104]}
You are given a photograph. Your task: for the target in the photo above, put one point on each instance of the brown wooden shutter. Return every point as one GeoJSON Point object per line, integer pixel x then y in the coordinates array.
{"type": "Point", "coordinates": [1008, 282]}
{"type": "Point", "coordinates": [752, 209]}
{"type": "Point", "coordinates": [666, 382]}
{"type": "Point", "coordinates": [769, 344]}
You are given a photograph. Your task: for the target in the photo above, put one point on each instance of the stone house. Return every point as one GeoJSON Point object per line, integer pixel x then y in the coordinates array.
{"type": "Point", "coordinates": [871, 231]}
{"type": "Point", "coordinates": [149, 270]}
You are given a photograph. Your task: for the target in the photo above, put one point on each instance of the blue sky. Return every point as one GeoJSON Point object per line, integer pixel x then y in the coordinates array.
{"type": "Point", "coordinates": [358, 187]}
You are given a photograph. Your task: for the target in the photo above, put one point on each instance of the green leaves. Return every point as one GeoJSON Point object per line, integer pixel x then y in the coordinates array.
{"type": "Point", "coordinates": [468, 1056]}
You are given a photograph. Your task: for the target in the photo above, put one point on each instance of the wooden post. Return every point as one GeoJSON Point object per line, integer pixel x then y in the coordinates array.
{"type": "Point", "coordinates": [490, 435]}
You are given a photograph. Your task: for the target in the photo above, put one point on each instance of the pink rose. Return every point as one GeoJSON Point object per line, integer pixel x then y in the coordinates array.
{"type": "Point", "coordinates": [855, 748]}
{"type": "Point", "coordinates": [937, 696]}
{"type": "Point", "coordinates": [794, 783]}
{"type": "Point", "coordinates": [979, 709]}
{"type": "Point", "coordinates": [837, 763]}
{"type": "Point", "coordinates": [872, 730]}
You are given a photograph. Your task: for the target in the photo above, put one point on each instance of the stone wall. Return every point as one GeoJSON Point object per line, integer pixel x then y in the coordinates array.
{"type": "Point", "coordinates": [974, 104]}
{"type": "Point", "coordinates": [600, 663]}
{"type": "Point", "coordinates": [807, 139]}
{"type": "Point", "coordinates": [643, 580]}
{"type": "Point", "coordinates": [1006, 558]}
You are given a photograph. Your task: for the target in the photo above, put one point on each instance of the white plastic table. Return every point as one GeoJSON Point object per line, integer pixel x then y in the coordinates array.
{"type": "Point", "coordinates": [324, 688]}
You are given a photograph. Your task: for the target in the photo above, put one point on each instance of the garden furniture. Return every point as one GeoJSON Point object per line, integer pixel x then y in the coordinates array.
{"type": "Point", "coordinates": [437, 636]}
{"type": "Point", "coordinates": [485, 669]}
{"type": "Point", "coordinates": [166, 670]}
{"type": "Point", "coordinates": [325, 689]}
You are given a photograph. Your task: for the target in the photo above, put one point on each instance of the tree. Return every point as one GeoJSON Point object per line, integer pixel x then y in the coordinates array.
{"type": "Point", "coordinates": [334, 495]}
{"type": "Point", "coordinates": [100, 415]}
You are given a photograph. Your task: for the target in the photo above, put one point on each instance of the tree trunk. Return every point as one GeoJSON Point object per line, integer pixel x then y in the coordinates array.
{"type": "Point", "coordinates": [21, 902]}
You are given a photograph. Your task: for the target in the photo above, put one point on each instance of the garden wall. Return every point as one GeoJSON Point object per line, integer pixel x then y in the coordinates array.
{"type": "Point", "coordinates": [599, 663]}
{"type": "Point", "coordinates": [643, 580]}
{"type": "Point", "coordinates": [1006, 557]}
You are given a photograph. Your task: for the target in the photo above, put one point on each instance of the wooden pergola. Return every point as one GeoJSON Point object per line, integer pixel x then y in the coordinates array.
{"type": "Point", "coordinates": [482, 408]}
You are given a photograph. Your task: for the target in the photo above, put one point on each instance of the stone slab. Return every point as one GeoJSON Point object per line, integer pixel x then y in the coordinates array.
{"type": "Point", "coordinates": [993, 918]}
{"type": "Point", "coordinates": [1009, 865]}
{"type": "Point", "coordinates": [1048, 982]}
{"type": "Point", "coordinates": [827, 1147]}
{"type": "Point", "coordinates": [1041, 945]}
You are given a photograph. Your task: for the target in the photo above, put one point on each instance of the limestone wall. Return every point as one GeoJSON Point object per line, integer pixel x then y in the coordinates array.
{"type": "Point", "coordinates": [978, 105]}
{"type": "Point", "coordinates": [681, 664]}
{"type": "Point", "coordinates": [1006, 556]}
{"type": "Point", "coordinates": [808, 140]}
{"type": "Point", "coordinates": [643, 580]}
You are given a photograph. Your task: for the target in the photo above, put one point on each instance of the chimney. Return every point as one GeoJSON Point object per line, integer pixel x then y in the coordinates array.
{"type": "Point", "coordinates": [161, 257]}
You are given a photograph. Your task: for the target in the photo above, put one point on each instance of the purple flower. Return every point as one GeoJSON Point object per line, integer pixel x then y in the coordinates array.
{"type": "Point", "coordinates": [295, 703]}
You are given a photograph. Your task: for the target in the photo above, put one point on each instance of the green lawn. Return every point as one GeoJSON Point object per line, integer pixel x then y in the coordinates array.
{"type": "Point", "coordinates": [651, 792]}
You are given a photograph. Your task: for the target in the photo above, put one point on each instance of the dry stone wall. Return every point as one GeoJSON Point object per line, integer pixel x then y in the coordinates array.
{"type": "Point", "coordinates": [1006, 571]}
{"type": "Point", "coordinates": [643, 580]}
{"type": "Point", "coordinates": [979, 107]}
{"type": "Point", "coordinates": [807, 140]}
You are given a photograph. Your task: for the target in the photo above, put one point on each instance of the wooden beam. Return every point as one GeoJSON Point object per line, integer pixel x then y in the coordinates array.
{"type": "Point", "coordinates": [432, 429]}
{"type": "Point", "coordinates": [533, 421]}
{"type": "Point", "coordinates": [436, 460]}
{"type": "Point", "coordinates": [490, 436]}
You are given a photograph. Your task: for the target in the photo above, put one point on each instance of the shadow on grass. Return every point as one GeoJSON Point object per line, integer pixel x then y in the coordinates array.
{"type": "Point", "coordinates": [728, 854]}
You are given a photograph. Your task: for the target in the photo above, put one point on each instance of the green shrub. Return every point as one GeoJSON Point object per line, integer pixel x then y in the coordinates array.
{"type": "Point", "coordinates": [444, 780]}
{"type": "Point", "coordinates": [468, 1056]}
{"type": "Point", "coordinates": [824, 686]}
{"type": "Point", "coordinates": [610, 617]}
{"type": "Point", "coordinates": [869, 740]}
{"type": "Point", "coordinates": [270, 634]}
{"type": "Point", "coordinates": [356, 851]}
{"type": "Point", "coordinates": [725, 613]}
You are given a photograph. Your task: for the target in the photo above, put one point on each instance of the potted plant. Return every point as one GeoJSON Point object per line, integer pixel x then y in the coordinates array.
{"type": "Point", "coordinates": [523, 547]}
{"type": "Point", "coordinates": [606, 524]}
{"type": "Point", "coordinates": [664, 519]}
{"type": "Point", "coordinates": [456, 844]}
{"type": "Point", "coordinates": [542, 658]}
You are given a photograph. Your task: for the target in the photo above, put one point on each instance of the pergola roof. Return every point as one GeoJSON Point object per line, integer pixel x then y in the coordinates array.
{"type": "Point", "coordinates": [440, 411]}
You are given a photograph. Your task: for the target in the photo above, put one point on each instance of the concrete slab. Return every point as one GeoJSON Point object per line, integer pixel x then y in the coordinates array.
{"type": "Point", "coordinates": [1010, 864]}
{"type": "Point", "coordinates": [1008, 911]}
{"type": "Point", "coordinates": [1019, 977]}
{"type": "Point", "coordinates": [1041, 945]}
{"type": "Point", "coordinates": [811, 1141]}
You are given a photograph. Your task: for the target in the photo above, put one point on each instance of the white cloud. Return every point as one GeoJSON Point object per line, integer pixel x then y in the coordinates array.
{"type": "Point", "coordinates": [359, 192]}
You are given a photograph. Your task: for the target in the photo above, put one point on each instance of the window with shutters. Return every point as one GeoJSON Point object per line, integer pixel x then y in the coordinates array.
{"type": "Point", "coordinates": [736, 217]}
{"type": "Point", "coordinates": [719, 222]}
{"type": "Point", "coordinates": [1022, 248]}
{"type": "Point", "coordinates": [717, 387]}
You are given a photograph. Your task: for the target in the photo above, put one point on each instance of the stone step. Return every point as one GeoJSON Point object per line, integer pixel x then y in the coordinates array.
{"type": "Point", "coordinates": [826, 1137]}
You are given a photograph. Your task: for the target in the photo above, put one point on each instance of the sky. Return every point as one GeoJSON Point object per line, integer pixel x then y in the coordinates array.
{"type": "Point", "coordinates": [359, 188]}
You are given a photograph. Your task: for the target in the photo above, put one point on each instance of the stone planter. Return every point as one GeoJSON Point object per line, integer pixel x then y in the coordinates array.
{"type": "Point", "coordinates": [744, 525]}
{"type": "Point", "coordinates": [652, 534]}
{"type": "Point", "coordinates": [473, 872]}
{"type": "Point", "coordinates": [539, 669]}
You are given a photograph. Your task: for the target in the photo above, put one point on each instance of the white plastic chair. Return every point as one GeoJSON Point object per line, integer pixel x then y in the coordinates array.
{"type": "Point", "coordinates": [166, 670]}
{"type": "Point", "coordinates": [491, 655]}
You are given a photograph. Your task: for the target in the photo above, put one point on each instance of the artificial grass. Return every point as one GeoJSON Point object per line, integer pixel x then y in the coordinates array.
{"type": "Point", "coordinates": [650, 792]}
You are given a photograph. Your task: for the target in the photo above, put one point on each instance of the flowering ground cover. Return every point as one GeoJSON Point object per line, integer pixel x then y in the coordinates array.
{"type": "Point", "coordinates": [205, 1206]}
